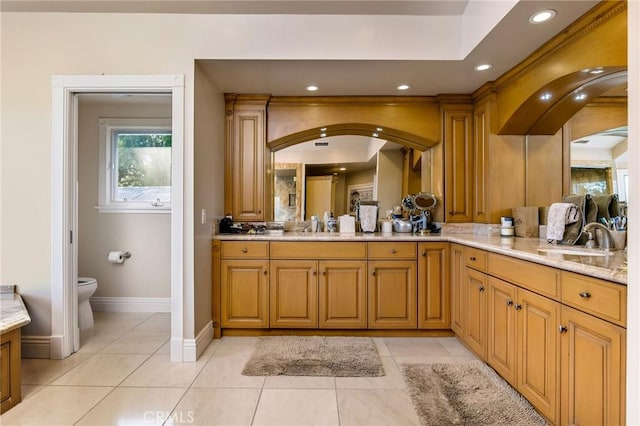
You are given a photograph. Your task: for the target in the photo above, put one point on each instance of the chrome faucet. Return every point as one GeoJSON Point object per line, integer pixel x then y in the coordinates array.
{"type": "Point", "coordinates": [607, 240]}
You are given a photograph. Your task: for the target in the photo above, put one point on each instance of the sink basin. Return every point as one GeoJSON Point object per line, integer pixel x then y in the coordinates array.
{"type": "Point", "coordinates": [576, 251]}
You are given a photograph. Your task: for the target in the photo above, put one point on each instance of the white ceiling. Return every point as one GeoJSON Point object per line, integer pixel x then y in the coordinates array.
{"type": "Point", "coordinates": [431, 45]}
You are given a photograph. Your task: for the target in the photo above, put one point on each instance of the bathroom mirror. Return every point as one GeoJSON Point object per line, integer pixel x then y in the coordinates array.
{"type": "Point", "coordinates": [330, 173]}
{"type": "Point", "coordinates": [599, 158]}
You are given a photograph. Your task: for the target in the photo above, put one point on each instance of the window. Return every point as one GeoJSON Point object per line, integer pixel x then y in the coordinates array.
{"type": "Point", "coordinates": [135, 165]}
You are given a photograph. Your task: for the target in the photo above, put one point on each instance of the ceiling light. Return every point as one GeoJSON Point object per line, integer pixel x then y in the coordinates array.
{"type": "Point", "coordinates": [403, 87]}
{"type": "Point", "coordinates": [323, 135]}
{"type": "Point", "coordinates": [379, 129]}
{"type": "Point", "coordinates": [581, 97]}
{"type": "Point", "coordinates": [546, 96]}
{"type": "Point", "coordinates": [311, 88]}
{"type": "Point", "coordinates": [542, 16]}
{"type": "Point", "coordinates": [598, 70]}
{"type": "Point", "coordinates": [342, 169]}
{"type": "Point", "coordinates": [375, 135]}
{"type": "Point", "coordinates": [483, 67]}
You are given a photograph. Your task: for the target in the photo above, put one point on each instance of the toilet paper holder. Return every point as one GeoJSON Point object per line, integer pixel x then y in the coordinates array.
{"type": "Point", "coordinates": [118, 256]}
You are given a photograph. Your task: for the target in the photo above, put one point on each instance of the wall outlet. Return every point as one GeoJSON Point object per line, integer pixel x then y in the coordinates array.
{"type": "Point", "coordinates": [204, 216]}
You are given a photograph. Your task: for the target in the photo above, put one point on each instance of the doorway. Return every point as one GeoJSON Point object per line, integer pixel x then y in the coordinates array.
{"type": "Point", "coordinates": [64, 307]}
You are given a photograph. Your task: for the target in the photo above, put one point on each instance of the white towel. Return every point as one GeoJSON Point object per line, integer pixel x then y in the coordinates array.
{"type": "Point", "coordinates": [347, 224]}
{"type": "Point", "coordinates": [559, 215]}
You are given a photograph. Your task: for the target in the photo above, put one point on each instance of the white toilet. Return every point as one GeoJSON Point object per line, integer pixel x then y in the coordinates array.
{"type": "Point", "coordinates": [86, 287]}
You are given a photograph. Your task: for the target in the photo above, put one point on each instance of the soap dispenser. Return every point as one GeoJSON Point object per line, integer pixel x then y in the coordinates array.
{"type": "Point", "coordinates": [331, 223]}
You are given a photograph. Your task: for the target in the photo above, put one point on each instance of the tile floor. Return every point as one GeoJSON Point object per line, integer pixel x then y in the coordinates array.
{"type": "Point", "coordinates": [122, 375]}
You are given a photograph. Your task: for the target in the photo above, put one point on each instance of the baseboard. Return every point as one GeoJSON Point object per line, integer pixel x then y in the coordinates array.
{"type": "Point", "coordinates": [193, 348]}
{"type": "Point", "coordinates": [36, 347]}
{"type": "Point", "coordinates": [131, 304]}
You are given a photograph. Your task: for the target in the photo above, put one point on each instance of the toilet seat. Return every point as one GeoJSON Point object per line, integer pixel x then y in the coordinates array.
{"type": "Point", "coordinates": [82, 281]}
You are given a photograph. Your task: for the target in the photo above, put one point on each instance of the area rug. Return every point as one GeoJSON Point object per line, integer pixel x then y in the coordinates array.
{"type": "Point", "coordinates": [465, 394]}
{"type": "Point", "coordinates": [314, 356]}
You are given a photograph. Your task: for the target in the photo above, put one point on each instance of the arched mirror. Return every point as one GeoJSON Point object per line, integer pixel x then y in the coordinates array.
{"type": "Point", "coordinates": [333, 173]}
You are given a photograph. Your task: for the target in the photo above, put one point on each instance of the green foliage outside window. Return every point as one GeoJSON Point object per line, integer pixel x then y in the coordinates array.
{"type": "Point", "coordinates": [144, 159]}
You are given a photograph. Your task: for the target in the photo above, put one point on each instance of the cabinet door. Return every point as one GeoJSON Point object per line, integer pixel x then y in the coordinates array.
{"type": "Point", "coordinates": [593, 373]}
{"type": "Point", "coordinates": [342, 295]}
{"type": "Point", "coordinates": [457, 276]}
{"type": "Point", "coordinates": [474, 302]}
{"type": "Point", "coordinates": [392, 294]}
{"type": "Point", "coordinates": [501, 328]}
{"type": "Point", "coordinates": [293, 292]}
{"type": "Point", "coordinates": [244, 293]}
{"type": "Point", "coordinates": [434, 296]}
{"type": "Point", "coordinates": [538, 352]}
{"type": "Point", "coordinates": [458, 166]}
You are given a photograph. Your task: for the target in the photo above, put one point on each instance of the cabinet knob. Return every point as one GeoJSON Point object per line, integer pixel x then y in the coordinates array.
{"type": "Point", "coordinates": [264, 271]}
{"type": "Point", "coordinates": [393, 251]}
{"type": "Point", "coordinates": [562, 329]}
{"type": "Point", "coordinates": [517, 306]}
{"type": "Point", "coordinates": [244, 250]}
{"type": "Point", "coordinates": [450, 211]}
{"type": "Point", "coordinates": [585, 294]}
{"type": "Point", "coordinates": [424, 253]}
{"type": "Point", "coordinates": [509, 302]}
{"type": "Point", "coordinates": [324, 272]}
{"type": "Point", "coordinates": [481, 289]}
{"type": "Point", "coordinates": [259, 211]}
{"type": "Point", "coordinates": [314, 272]}
{"type": "Point", "coordinates": [373, 272]}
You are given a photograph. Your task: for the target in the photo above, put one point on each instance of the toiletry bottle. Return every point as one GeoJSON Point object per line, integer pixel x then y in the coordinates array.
{"type": "Point", "coordinates": [331, 224]}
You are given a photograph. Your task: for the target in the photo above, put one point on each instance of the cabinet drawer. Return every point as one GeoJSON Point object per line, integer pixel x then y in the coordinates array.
{"type": "Point", "coordinates": [318, 250]}
{"type": "Point", "coordinates": [393, 250]}
{"type": "Point", "coordinates": [245, 249]}
{"type": "Point", "coordinates": [475, 258]}
{"type": "Point", "coordinates": [537, 278]}
{"type": "Point", "coordinates": [600, 298]}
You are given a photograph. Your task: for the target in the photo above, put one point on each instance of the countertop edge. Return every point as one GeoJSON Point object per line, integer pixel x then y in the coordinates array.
{"type": "Point", "coordinates": [14, 313]}
{"type": "Point", "coordinates": [516, 247]}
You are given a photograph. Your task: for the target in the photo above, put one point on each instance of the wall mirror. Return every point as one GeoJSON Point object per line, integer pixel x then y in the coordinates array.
{"type": "Point", "coordinates": [599, 158]}
{"type": "Point", "coordinates": [331, 174]}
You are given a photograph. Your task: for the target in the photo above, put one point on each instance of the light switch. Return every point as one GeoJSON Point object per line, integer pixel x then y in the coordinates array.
{"type": "Point", "coordinates": [204, 216]}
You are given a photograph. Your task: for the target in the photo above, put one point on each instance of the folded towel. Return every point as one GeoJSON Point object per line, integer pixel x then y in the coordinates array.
{"type": "Point", "coordinates": [607, 206]}
{"type": "Point", "coordinates": [560, 215]}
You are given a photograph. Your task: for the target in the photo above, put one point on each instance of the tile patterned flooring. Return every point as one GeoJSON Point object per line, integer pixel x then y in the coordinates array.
{"type": "Point", "coordinates": [122, 375]}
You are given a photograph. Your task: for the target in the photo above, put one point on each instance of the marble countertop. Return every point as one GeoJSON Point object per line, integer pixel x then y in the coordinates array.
{"type": "Point", "coordinates": [612, 267]}
{"type": "Point", "coordinates": [13, 313]}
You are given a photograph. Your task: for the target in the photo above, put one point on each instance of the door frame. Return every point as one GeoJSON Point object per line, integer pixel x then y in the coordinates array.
{"type": "Point", "coordinates": [64, 297]}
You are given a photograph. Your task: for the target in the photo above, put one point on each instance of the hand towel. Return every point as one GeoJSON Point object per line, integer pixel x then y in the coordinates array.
{"type": "Point", "coordinates": [608, 206]}
{"type": "Point", "coordinates": [346, 224]}
{"type": "Point", "coordinates": [560, 215]}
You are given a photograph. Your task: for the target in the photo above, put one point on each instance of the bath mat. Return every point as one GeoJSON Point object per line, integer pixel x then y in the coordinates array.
{"type": "Point", "coordinates": [314, 356]}
{"type": "Point", "coordinates": [466, 394]}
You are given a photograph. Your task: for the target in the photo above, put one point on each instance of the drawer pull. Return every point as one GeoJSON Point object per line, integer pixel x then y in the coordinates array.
{"type": "Point", "coordinates": [562, 329]}
{"type": "Point", "coordinates": [585, 294]}
{"type": "Point", "coordinates": [509, 302]}
{"type": "Point", "coordinates": [393, 251]}
{"type": "Point", "coordinates": [244, 250]}
{"type": "Point", "coordinates": [472, 258]}
{"type": "Point", "coordinates": [517, 306]}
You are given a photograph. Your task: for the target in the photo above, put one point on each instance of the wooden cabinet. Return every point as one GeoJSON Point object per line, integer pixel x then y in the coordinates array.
{"type": "Point", "coordinates": [293, 291]}
{"type": "Point", "coordinates": [246, 159]}
{"type": "Point", "coordinates": [457, 277]}
{"type": "Point", "coordinates": [434, 289]}
{"type": "Point", "coordinates": [10, 351]}
{"type": "Point", "coordinates": [392, 288]}
{"type": "Point", "coordinates": [458, 161]}
{"type": "Point", "coordinates": [342, 294]}
{"type": "Point", "coordinates": [593, 373]}
{"type": "Point", "coordinates": [501, 328]}
{"type": "Point", "coordinates": [474, 314]}
{"type": "Point", "coordinates": [244, 284]}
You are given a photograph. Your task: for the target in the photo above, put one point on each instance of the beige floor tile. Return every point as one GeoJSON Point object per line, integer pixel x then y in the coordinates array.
{"type": "Point", "coordinates": [453, 346]}
{"type": "Point", "coordinates": [164, 349]}
{"type": "Point", "coordinates": [236, 346]}
{"type": "Point", "coordinates": [134, 406]}
{"type": "Point", "coordinates": [119, 320]}
{"type": "Point", "coordinates": [425, 359]}
{"type": "Point", "coordinates": [211, 349]}
{"type": "Point", "coordinates": [391, 380]}
{"type": "Point", "coordinates": [381, 346]}
{"type": "Point", "coordinates": [415, 346]}
{"type": "Point", "coordinates": [54, 405]}
{"type": "Point", "coordinates": [371, 407]}
{"type": "Point", "coordinates": [159, 322]}
{"type": "Point", "coordinates": [102, 370]}
{"type": "Point", "coordinates": [211, 407]}
{"type": "Point", "coordinates": [137, 342]}
{"type": "Point", "coordinates": [226, 372]}
{"type": "Point", "coordinates": [44, 371]}
{"type": "Point", "coordinates": [299, 382]}
{"type": "Point", "coordinates": [295, 407]}
{"type": "Point", "coordinates": [27, 391]}
{"type": "Point", "coordinates": [159, 371]}
{"type": "Point", "coordinates": [93, 340]}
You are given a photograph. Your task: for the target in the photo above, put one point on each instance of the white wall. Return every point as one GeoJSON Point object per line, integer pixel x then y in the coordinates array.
{"type": "Point", "coordinates": [146, 236]}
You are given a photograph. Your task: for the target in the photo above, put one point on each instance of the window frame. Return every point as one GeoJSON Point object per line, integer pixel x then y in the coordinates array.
{"type": "Point", "coordinates": [106, 173]}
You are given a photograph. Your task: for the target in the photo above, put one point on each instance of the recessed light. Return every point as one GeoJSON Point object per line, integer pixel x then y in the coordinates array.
{"type": "Point", "coordinates": [546, 96]}
{"type": "Point", "coordinates": [375, 135]}
{"type": "Point", "coordinates": [403, 87]}
{"type": "Point", "coordinates": [580, 97]}
{"type": "Point", "coordinates": [483, 67]}
{"type": "Point", "coordinates": [542, 16]}
{"type": "Point", "coordinates": [598, 70]}
{"type": "Point", "coordinates": [311, 88]}
{"type": "Point", "coordinates": [342, 169]}
{"type": "Point", "coordinates": [323, 135]}
{"type": "Point", "coordinates": [379, 129]}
